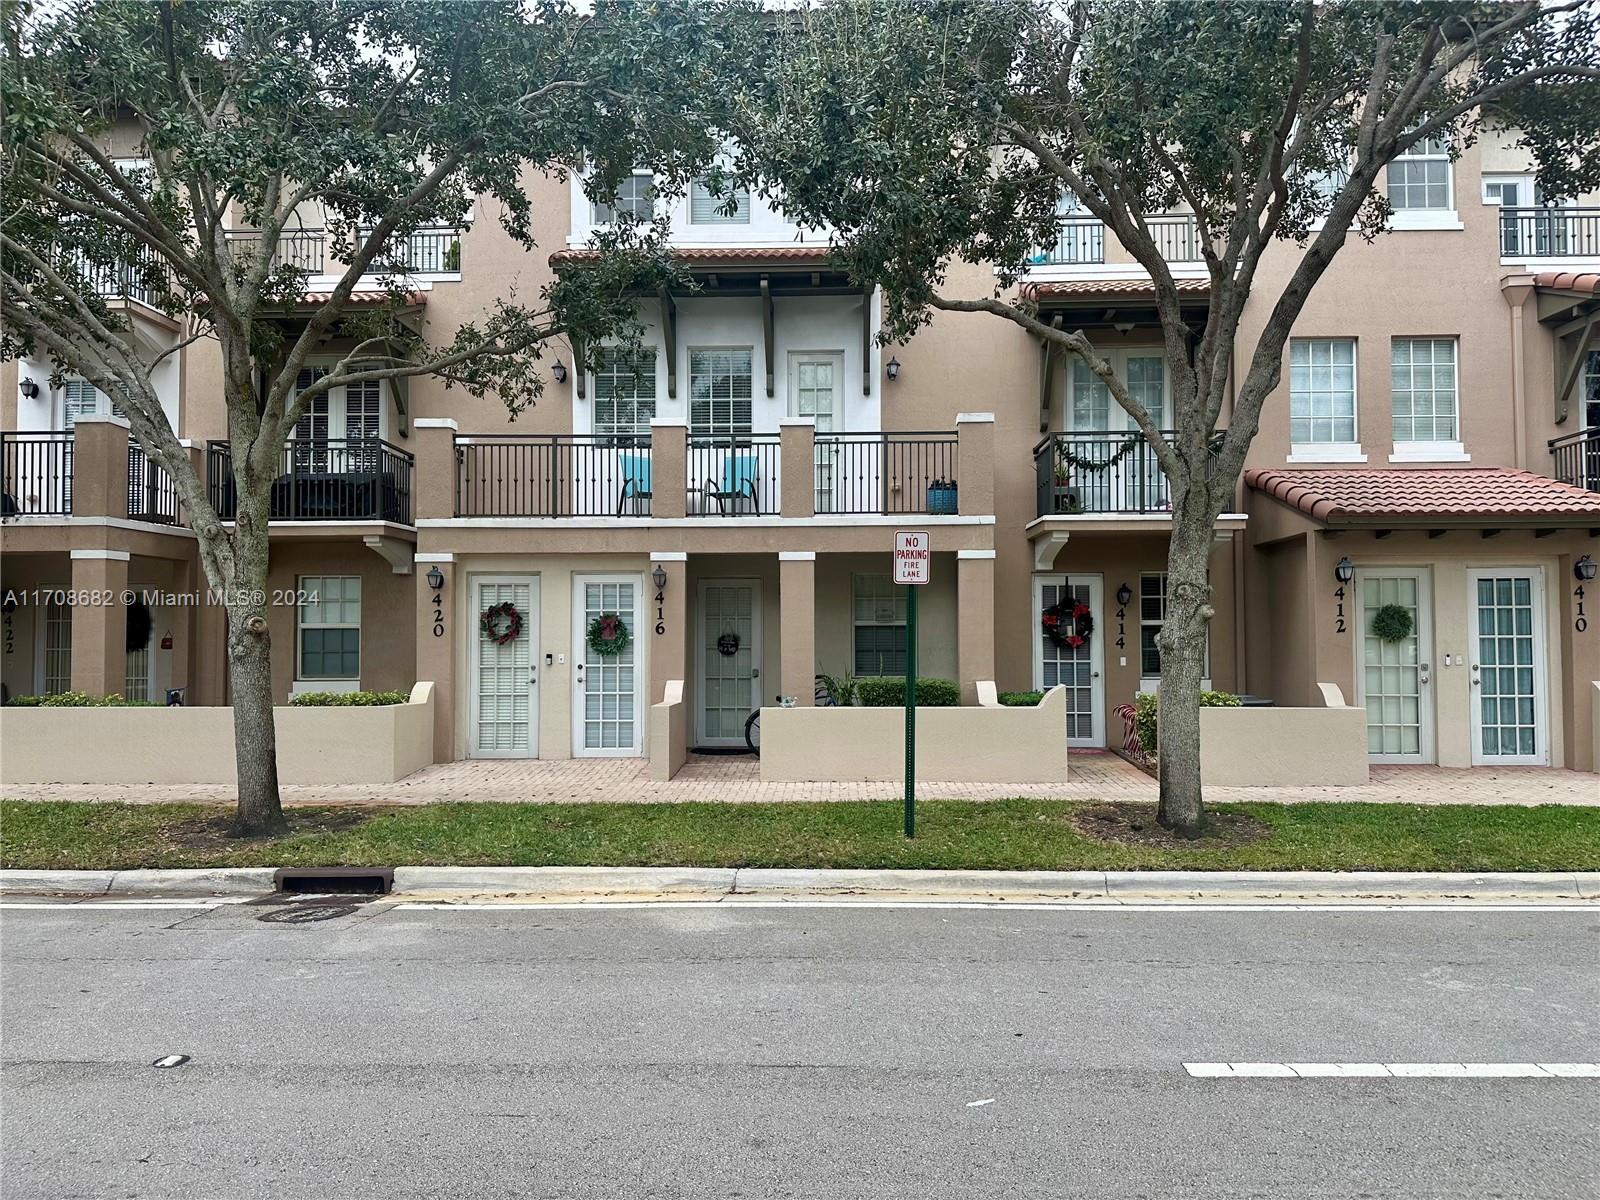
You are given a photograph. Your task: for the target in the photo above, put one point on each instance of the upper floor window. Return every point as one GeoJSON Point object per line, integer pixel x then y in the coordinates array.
{"type": "Point", "coordinates": [1322, 391]}
{"type": "Point", "coordinates": [80, 398]}
{"type": "Point", "coordinates": [624, 391]}
{"type": "Point", "coordinates": [636, 197]}
{"type": "Point", "coordinates": [1328, 184]}
{"type": "Point", "coordinates": [720, 387]}
{"type": "Point", "coordinates": [1423, 375]}
{"type": "Point", "coordinates": [1420, 177]}
{"type": "Point", "coordinates": [730, 206]}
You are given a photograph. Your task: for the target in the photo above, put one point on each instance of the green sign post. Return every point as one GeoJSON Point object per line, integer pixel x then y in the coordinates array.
{"type": "Point", "coordinates": [912, 569]}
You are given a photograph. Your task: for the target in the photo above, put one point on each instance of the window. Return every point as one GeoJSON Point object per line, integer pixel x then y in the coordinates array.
{"type": "Point", "coordinates": [1152, 613]}
{"type": "Point", "coordinates": [719, 392]}
{"type": "Point", "coordinates": [1420, 178]}
{"type": "Point", "coordinates": [1091, 400]}
{"type": "Point", "coordinates": [79, 398]}
{"type": "Point", "coordinates": [1504, 190]}
{"type": "Point", "coordinates": [1322, 391]}
{"type": "Point", "coordinates": [880, 625]}
{"type": "Point", "coordinates": [1423, 375]}
{"type": "Point", "coordinates": [57, 673]}
{"type": "Point", "coordinates": [707, 207]}
{"type": "Point", "coordinates": [330, 627]}
{"type": "Point", "coordinates": [624, 391]}
{"type": "Point", "coordinates": [636, 196]}
{"type": "Point", "coordinates": [1327, 184]}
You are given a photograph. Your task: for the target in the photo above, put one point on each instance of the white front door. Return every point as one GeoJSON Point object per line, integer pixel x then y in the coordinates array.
{"type": "Point", "coordinates": [1079, 669]}
{"type": "Point", "coordinates": [814, 380]}
{"type": "Point", "coordinates": [1506, 614]}
{"type": "Point", "coordinates": [728, 660]}
{"type": "Point", "coordinates": [505, 697]}
{"type": "Point", "coordinates": [608, 689]}
{"type": "Point", "coordinates": [1394, 679]}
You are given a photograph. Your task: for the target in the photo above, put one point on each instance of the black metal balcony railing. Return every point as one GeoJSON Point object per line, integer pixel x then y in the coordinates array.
{"type": "Point", "coordinates": [885, 473]}
{"type": "Point", "coordinates": [1083, 240]}
{"type": "Point", "coordinates": [152, 495]}
{"type": "Point", "coordinates": [147, 279]}
{"type": "Point", "coordinates": [734, 475]}
{"type": "Point", "coordinates": [553, 475]}
{"type": "Point", "coordinates": [36, 473]}
{"type": "Point", "coordinates": [299, 248]}
{"type": "Point", "coordinates": [432, 250]}
{"type": "Point", "coordinates": [1099, 472]}
{"type": "Point", "coordinates": [1550, 232]}
{"type": "Point", "coordinates": [1575, 458]}
{"type": "Point", "coordinates": [323, 479]}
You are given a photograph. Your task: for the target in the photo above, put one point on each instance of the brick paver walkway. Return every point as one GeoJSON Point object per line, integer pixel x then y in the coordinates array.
{"type": "Point", "coordinates": [736, 779]}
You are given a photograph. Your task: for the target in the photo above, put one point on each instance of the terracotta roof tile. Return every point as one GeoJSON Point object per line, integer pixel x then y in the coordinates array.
{"type": "Point", "coordinates": [1421, 494]}
{"type": "Point", "coordinates": [728, 255]}
{"type": "Point", "coordinates": [1569, 281]}
{"type": "Point", "coordinates": [362, 297]}
{"type": "Point", "coordinates": [1110, 287]}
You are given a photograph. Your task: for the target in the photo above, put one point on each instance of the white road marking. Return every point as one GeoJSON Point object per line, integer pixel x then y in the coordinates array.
{"type": "Point", "coordinates": [1441, 1070]}
{"type": "Point", "coordinates": [979, 1103]}
{"type": "Point", "coordinates": [1168, 906]}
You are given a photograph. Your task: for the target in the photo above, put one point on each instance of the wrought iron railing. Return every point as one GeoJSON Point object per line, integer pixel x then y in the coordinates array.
{"type": "Point", "coordinates": [734, 475]}
{"type": "Point", "coordinates": [1575, 458]}
{"type": "Point", "coordinates": [553, 475]}
{"type": "Point", "coordinates": [1099, 472]}
{"type": "Point", "coordinates": [431, 250]}
{"type": "Point", "coordinates": [1177, 237]}
{"type": "Point", "coordinates": [152, 495]}
{"type": "Point", "coordinates": [299, 248]}
{"type": "Point", "coordinates": [1083, 240]}
{"type": "Point", "coordinates": [36, 472]}
{"type": "Point", "coordinates": [885, 473]}
{"type": "Point", "coordinates": [147, 279]}
{"type": "Point", "coordinates": [1550, 232]}
{"type": "Point", "coordinates": [323, 479]}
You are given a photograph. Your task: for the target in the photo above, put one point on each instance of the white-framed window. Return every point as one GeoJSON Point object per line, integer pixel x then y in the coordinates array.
{"type": "Point", "coordinates": [340, 428]}
{"type": "Point", "coordinates": [80, 398]}
{"type": "Point", "coordinates": [56, 661]}
{"type": "Point", "coordinates": [1091, 408]}
{"type": "Point", "coordinates": [636, 196]}
{"type": "Point", "coordinates": [1322, 392]}
{"type": "Point", "coordinates": [624, 391]}
{"type": "Point", "coordinates": [878, 613]}
{"type": "Point", "coordinates": [720, 389]}
{"type": "Point", "coordinates": [1327, 184]}
{"type": "Point", "coordinates": [1152, 614]}
{"type": "Point", "coordinates": [1419, 179]}
{"type": "Point", "coordinates": [731, 206]}
{"type": "Point", "coordinates": [1422, 373]}
{"type": "Point", "coordinates": [1507, 191]}
{"type": "Point", "coordinates": [329, 627]}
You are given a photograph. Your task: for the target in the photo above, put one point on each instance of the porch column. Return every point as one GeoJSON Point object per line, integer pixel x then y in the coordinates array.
{"type": "Point", "coordinates": [100, 630]}
{"type": "Point", "coordinates": [669, 470]}
{"type": "Point", "coordinates": [669, 649]}
{"type": "Point", "coordinates": [797, 440]}
{"type": "Point", "coordinates": [797, 616]}
{"type": "Point", "coordinates": [1577, 682]}
{"type": "Point", "coordinates": [439, 630]}
{"type": "Point", "coordinates": [100, 470]}
{"type": "Point", "coordinates": [975, 464]}
{"type": "Point", "coordinates": [974, 620]}
{"type": "Point", "coordinates": [433, 475]}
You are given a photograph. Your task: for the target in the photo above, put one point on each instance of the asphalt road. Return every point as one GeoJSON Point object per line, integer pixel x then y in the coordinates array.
{"type": "Point", "coordinates": [808, 1052]}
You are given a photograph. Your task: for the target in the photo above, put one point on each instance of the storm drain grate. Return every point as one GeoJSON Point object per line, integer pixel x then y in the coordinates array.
{"type": "Point", "coordinates": [353, 881]}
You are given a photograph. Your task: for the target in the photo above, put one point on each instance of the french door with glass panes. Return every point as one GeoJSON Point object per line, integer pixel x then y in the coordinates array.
{"type": "Point", "coordinates": [1506, 619]}
{"type": "Point", "coordinates": [1394, 679]}
{"type": "Point", "coordinates": [1079, 669]}
{"type": "Point", "coordinates": [504, 720]}
{"type": "Point", "coordinates": [814, 380]}
{"type": "Point", "coordinates": [1111, 469]}
{"type": "Point", "coordinates": [608, 689]}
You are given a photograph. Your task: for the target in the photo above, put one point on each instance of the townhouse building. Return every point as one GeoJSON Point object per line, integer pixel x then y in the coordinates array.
{"type": "Point", "coordinates": [730, 490]}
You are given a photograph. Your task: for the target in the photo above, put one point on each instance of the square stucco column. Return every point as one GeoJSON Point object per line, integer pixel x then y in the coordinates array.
{"type": "Point", "coordinates": [100, 628]}
{"type": "Point", "coordinates": [100, 469]}
{"type": "Point", "coordinates": [669, 469]}
{"type": "Point", "coordinates": [797, 615]}
{"type": "Point", "coordinates": [439, 631]}
{"type": "Point", "coordinates": [975, 464]}
{"type": "Point", "coordinates": [974, 620]}
{"type": "Point", "coordinates": [433, 480]}
{"type": "Point", "coordinates": [797, 440]}
{"type": "Point", "coordinates": [669, 649]}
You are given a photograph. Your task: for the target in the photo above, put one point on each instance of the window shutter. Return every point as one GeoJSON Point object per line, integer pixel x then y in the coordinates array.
{"type": "Point", "coordinates": [704, 206]}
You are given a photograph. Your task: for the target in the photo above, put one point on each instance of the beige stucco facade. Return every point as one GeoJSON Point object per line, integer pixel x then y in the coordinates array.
{"type": "Point", "coordinates": [768, 586]}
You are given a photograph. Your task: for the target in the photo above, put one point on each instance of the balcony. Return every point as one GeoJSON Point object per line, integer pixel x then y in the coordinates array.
{"type": "Point", "coordinates": [1575, 459]}
{"type": "Point", "coordinates": [431, 250]}
{"type": "Point", "coordinates": [37, 469]}
{"type": "Point", "coordinates": [1082, 241]}
{"type": "Point", "coordinates": [553, 475]}
{"type": "Point", "coordinates": [1078, 474]}
{"type": "Point", "coordinates": [1549, 232]}
{"type": "Point", "coordinates": [323, 479]}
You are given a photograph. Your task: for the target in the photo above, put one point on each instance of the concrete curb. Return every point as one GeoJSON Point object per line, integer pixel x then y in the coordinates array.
{"type": "Point", "coordinates": [599, 884]}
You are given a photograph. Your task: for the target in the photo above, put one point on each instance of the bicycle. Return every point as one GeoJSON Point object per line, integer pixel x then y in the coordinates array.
{"type": "Point", "coordinates": [823, 698]}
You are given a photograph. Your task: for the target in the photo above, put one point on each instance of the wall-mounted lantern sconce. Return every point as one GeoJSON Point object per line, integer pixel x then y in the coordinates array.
{"type": "Point", "coordinates": [29, 388]}
{"type": "Point", "coordinates": [559, 371]}
{"type": "Point", "coordinates": [659, 578]}
{"type": "Point", "coordinates": [435, 578]}
{"type": "Point", "coordinates": [1344, 571]}
{"type": "Point", "coordinates": [1585, 568]}
{"type": "Point", "coordinates": [893, 369]}
{"type": "Point", "coordinates": [1124, 596]}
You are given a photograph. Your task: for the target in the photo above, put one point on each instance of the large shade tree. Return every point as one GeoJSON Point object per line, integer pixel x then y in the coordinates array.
{"type": "Point", "coordinates": [924, 132]}
{"type": "Point", "coordinates": [169, 145]}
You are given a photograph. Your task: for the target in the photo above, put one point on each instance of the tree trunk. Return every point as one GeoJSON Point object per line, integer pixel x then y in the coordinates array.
{"type": "Point", "coordinates": [1182, 642]}
{"type": "Point", "coordinates": [255, 738]}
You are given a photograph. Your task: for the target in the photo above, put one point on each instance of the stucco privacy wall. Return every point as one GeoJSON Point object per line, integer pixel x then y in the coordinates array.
{"type": "Point", "coordinates": [1283, 747]}
{"type": "Point", "coordinates": [195, 745]}
{"type": "Point", "coordinates": [669, 732]}
{"type": "Point", "coordinates": [954, 745]}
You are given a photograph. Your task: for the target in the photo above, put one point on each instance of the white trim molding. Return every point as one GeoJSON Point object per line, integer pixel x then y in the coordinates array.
{"type": "Point", "coordinates": [1429, 452]}
{"type": "Point", "coordinates": [664, 556]}
{"type": "Point", "coordinates": [819, 522]}
{"type": "Point", "coordinates": [975, 418]}
{"type": "Point", "coordinates": [797, 556]}
{"type": "Point", "coordinates": [435, 558]}
{"type": "Point", "coordinates": [107, 555]}
{"type": "Point", "coordinates": [1326, 452]}
{"type": "Point", "coordinates": [975, 554]}
{"type": "Point", "coordinates": [436, 423]}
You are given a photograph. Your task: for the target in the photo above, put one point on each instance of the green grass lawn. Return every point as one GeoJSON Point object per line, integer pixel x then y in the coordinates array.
{"type": "Point", "coordinates": [1000, 835]}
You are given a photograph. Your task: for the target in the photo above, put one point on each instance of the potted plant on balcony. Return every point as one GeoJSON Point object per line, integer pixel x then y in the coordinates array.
{"type": "Point", "coordinates": [942, 497]}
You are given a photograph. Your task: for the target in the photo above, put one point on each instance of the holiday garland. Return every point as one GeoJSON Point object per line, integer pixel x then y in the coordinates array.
{"type": "Point", "coordinates": [501, 623]}
{"type": "Point", "coordinates": [1066, 458]}
{"type": "Point", "coordinates": [608, 635]}
{"type": "Point", "coordinates": [1067, 627]}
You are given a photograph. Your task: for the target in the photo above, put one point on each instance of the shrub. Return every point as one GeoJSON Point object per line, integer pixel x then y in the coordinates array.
{"type": "Point", "coordinates": [1020, 699]}
{"type": "Point", "coordinates": [841, 689]}
{"type": "Point", "coordinates": [77, 700]}
{"type": "Point", "coordinates": [890, 692]}
{"type": "Point", "coordinates": [1146, 708]}
{"type": "Point", "coordinates": [348, 699]}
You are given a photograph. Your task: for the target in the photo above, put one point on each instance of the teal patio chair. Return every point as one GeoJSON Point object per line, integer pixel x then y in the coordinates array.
{"type": "Point", "coordinates": [635, 480]}
{"type": "Point", "coordinates": [739, 473]}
